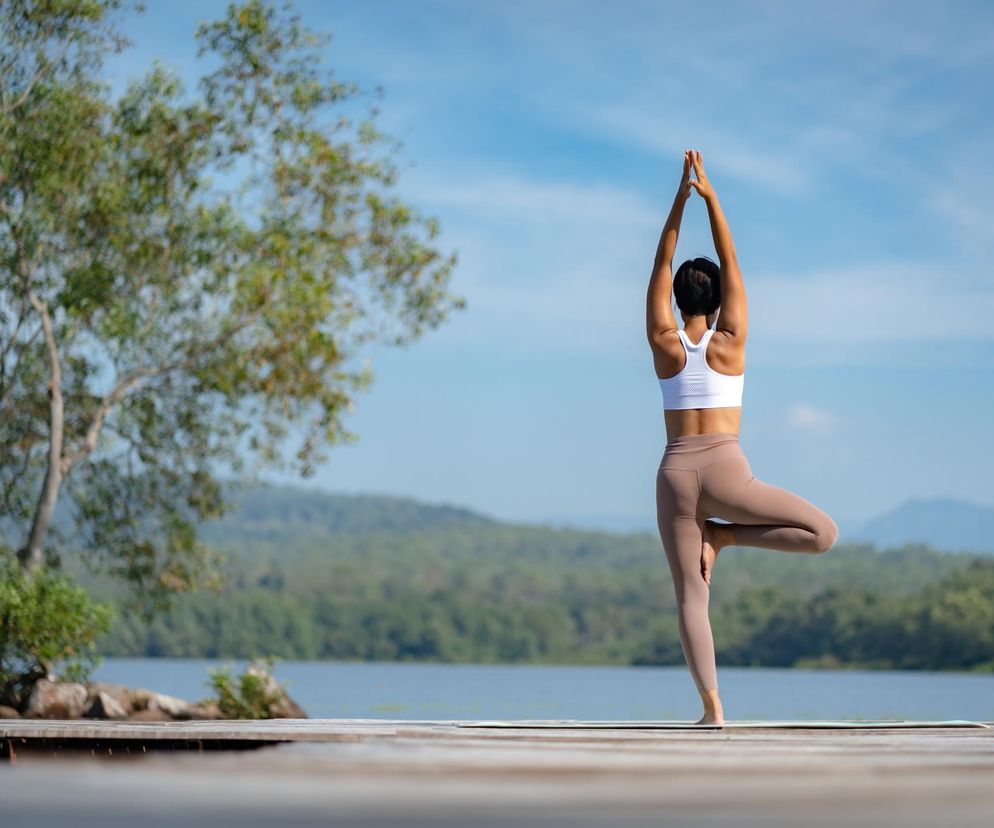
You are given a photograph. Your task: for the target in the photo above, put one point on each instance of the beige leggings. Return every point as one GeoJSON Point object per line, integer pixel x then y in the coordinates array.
{"type": "Point", "coordinates": [708, 475]}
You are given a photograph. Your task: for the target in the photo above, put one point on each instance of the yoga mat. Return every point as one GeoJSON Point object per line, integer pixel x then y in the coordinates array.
{"type": "Point", "coordinates": [575, 724]}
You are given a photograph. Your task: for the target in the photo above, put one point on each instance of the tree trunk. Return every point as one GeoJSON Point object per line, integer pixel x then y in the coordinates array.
{"type": "Point", "coordinates": [31, 555]}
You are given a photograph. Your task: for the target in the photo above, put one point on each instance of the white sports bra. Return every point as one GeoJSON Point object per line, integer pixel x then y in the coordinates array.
{"type": "Point", "coordinates": [698, 385]}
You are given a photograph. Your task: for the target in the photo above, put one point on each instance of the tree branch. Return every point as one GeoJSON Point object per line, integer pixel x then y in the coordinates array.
{"type": "Point", "coordinates": [10, 107]}
{"type": "Point", "coordinates": [132, 379]}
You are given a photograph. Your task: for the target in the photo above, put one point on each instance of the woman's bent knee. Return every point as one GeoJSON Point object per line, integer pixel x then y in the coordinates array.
{"type": "Point", "coordinates": [826, 534]}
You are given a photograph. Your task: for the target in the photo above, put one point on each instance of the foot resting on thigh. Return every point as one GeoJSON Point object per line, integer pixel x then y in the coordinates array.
{"type": "Point", "coordinates": [715, 537]}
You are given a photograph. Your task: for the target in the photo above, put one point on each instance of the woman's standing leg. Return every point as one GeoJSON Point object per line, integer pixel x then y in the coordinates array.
{"type": "Point", "coordinates": [680, 526]}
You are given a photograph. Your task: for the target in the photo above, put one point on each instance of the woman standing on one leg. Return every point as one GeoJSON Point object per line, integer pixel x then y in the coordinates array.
{"type": "Point", "coordinates": [704, 472]}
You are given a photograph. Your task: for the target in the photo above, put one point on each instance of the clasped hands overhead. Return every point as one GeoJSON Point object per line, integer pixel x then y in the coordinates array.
{"type": "Point", "coordinates": [694, 159]}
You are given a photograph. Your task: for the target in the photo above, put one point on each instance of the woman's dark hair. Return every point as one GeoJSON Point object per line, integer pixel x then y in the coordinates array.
{"type": "Point", "coordinates": [697, 286]}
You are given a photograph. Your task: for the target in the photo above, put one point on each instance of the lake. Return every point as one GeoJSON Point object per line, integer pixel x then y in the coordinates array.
{"type": "Point", "coordinates": [405, 690]}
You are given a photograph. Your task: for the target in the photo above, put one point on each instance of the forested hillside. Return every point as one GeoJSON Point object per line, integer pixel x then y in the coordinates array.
{"type": "Point", "coordinates": [311, 575]}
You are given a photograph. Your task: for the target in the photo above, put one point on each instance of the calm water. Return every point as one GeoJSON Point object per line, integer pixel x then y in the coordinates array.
{"type": "Point", "coordinates": [327, 689]}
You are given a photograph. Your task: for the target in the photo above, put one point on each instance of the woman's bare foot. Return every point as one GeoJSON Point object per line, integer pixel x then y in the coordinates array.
{"type": "Point", "coordinates": [715, 537]}
{"type": "Point", "coordinates": [713, 714]}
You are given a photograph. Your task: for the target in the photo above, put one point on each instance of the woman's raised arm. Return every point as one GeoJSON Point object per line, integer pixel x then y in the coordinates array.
{"type": "Point", "coordinates": [732, 316]}
{"type": "Point", "coordinates": [658, 305]}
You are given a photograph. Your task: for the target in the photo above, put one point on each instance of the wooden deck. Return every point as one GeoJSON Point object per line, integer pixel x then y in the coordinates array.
{"type": "Point", "coordinates": [378, 772]}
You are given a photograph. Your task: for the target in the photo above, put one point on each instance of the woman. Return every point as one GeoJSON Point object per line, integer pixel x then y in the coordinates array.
{"type": "Point", "coordinates": [704, 472]}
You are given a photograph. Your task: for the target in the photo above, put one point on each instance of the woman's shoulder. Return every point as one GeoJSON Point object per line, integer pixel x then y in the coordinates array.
{"type": "Point", "coordinates": [725, 353]}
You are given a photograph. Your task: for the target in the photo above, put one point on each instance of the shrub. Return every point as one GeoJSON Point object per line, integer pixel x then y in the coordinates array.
{"type": "Point", "coordinates": [255, 694]}
{"type": "Point", "coordinates": [48, 624]}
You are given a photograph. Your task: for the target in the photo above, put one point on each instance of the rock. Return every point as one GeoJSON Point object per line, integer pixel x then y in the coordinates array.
{"type": "Point", "coordinates": [206, 710]}
{"type": "Point", "coordinates": [124, 696]}
{"type": "Point", "coordinates": [121, 695]}
{"type": "Point", "coordinates": [56, 700]}
{"type": "Point", "coordinates": [105, 706]}
{"type": "Point", "coordinates": [285, 708]}
{"type": "Point", "coordinates": [175, 707]}
{"type": "Point", "coordinates": [53, 699]}
{"type": "Point", "coordinates": [140, 698]}
{"type": "Point", "coordinates": [290, 710]}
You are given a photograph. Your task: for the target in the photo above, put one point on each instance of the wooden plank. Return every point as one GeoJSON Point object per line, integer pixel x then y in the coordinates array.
{"type": "Point", "coordinates": [740, 724]}
{"type": "Point", "coordinates": [444, 773]}
{"type": "Point", "coordinates": [323, 729]}
{"type": "Point", "coordinates": [304, 728]}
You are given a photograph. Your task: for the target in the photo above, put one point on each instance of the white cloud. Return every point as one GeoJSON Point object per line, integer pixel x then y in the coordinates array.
{"type": "Point", "coordinates": [561, 264]}
{"type": "Point", "coordinates": [804, 417]}
{"type": "Point", "coordinates": [895, 31]}
{"type": "Point", "coordinates": [871, 302]}
{"type": "Point", "coordinates": [971, 217]}
{"type": "Point", "coordinates": [512, 195]}
{"type": "Point", "coordinates": [960, 189]}
{"type": "Point", "coordinates": [779, 171]}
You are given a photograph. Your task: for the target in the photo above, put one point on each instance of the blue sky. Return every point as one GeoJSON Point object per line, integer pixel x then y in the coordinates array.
{"type": "Point", "coordinates": [851, 147]}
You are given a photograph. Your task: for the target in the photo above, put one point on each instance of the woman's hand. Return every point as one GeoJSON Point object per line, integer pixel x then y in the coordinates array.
{"type": "Point", "coordinates": [702, 185]}
{"type": "Point", "coordinates": [685, 183]}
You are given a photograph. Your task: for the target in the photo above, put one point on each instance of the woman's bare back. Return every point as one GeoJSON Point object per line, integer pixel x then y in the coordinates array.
{"type": "Point", "coordinates": [724, 354]}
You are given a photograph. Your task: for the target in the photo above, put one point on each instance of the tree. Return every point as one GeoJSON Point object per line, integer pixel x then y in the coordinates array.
{"type": "Point", "coordinates": [186, 281]}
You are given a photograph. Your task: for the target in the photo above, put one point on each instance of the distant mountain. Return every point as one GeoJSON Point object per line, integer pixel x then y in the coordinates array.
{"type": "Point", "coordinates": [619, 524]}
{"type": "Point", "coordinates": [945, 523]}
{"type": "Point", "coordinates": [271, 512]}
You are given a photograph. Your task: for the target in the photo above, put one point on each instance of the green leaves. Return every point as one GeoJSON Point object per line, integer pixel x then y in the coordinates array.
{"type": "Point", "coordinates": [47, 622]}
{"type": "Point", "coordinates": [254, 694]}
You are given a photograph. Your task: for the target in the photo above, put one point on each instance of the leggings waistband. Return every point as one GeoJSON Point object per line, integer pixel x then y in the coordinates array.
{"type": "Point", "coordinates": [702, 439]}
{"type": "Point", "coordinates": [694, 442]}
